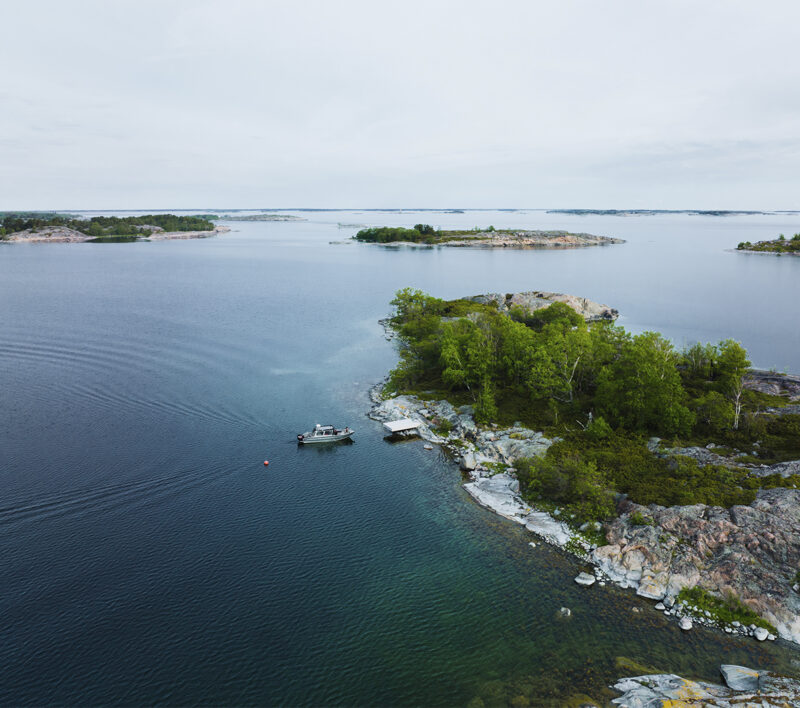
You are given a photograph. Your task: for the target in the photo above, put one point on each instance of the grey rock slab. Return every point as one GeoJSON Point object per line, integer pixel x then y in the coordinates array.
{"type": "Point", "coordinates": [740, 678]}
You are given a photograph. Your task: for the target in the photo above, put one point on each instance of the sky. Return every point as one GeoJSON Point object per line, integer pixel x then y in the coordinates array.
{"type": "Point", "coordinates": [270, 104]}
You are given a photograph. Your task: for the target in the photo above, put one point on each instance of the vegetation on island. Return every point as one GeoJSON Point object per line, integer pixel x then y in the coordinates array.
{"type": "Point", "coordinates": [419, 233]}
{"type": "Point", "coordinates": [603, 393]}
{"type": "Point", "coordinates": [778, 245]}
{"type": "Point", "coordinates": [104, 226]}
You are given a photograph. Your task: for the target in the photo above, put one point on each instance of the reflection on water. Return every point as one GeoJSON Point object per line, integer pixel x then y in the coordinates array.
{"type": "Point", "coordinates": [148, 554]}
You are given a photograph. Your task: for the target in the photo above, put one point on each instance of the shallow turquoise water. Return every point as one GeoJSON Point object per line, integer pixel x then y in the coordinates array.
{"type": "Point", "coordinates": [150, 557]}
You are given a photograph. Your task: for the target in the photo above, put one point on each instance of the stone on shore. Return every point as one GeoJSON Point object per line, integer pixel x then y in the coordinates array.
{"type": "Point", "coordinates": [585, 579]}
{"type": "Point", "coordinates": [740, 678]}
{"type": "Point", "coordinates": [468, 462]}
{"type": "Point", "coordinates": [685, 624]}
{"type": "Point", "coordinates": [760, 633]}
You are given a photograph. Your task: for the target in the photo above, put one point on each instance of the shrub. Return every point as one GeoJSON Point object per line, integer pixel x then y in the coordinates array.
{"type": "Point", "coordinates": [572, 482]}
{"type": "Point", "coordinates": [443, 427]}
{"type": "Point", "coordinates": [598, 429]}
{"type": "Point", "coordinates": [639, 519]}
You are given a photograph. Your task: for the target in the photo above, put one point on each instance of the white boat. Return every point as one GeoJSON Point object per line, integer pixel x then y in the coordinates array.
{"type": "Point", "coordinates": [324, 434]}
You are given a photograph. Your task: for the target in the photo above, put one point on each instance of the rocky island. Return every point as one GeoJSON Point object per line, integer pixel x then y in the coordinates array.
{"type": "Point", "coordinates": [671, 473]}
{"type": "Point", "coordinates": [780, 245]}
{"type": "Point", "coordinates": [426, 235]}
{"type": "Point", "coordinates": [58, 228]}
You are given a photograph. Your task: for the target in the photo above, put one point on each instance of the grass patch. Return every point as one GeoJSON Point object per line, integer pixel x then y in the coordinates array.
{"type": "Point", "coordinates": [443, 427]}
{"type": "Point", "coordinates": [726, 609]}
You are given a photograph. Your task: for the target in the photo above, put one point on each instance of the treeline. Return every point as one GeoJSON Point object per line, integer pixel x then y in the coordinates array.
{"type": "Point", "coordinates": [420, 233]}
{"type": "Point", "coordinates": [600, 389]}
{"type": "Point", "coordinates": [104, 226]}
{"type": "Point", "coordinates": [778, 245]}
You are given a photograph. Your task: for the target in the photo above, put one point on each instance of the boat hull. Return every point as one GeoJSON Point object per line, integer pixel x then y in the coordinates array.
{"type": "Point", "coordinates": [317, 439]}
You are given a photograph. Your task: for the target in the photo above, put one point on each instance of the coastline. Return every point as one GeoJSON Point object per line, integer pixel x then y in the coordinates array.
{"type": "Point", "coordinates": [511, 238]}
{"type": "Point", "coordinates": [66, 235]}
{"type": "Point", "coordinates": [633, 557]}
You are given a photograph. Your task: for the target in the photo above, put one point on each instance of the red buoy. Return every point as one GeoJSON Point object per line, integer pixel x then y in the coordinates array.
{"type": "Point", "coordinates": [266, 463]}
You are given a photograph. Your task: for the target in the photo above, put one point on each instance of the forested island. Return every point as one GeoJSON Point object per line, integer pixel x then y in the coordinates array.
{"type": "Point", "coordinates": [779, 245]}
{"type": "Point", "coordinates": [427, 235]}
{"type": "Point", "coordinates": [674, 472]}
{"type": "Point", "coordinates": [55, 227]}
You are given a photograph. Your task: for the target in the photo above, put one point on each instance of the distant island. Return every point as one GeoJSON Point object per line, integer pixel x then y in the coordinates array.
{"type": "Point", "coordinates": [779, 245]}
{"type": "Point", "coordinates": [261, 217]}
{"type": "Point", "coordinates": [52, 227]}
{"type": "Point", "coordinates": [651, 212]}
{"type": "Point", "coordinates": [426, 235]}
{"type": "Point", "coordinates": [674, 472]}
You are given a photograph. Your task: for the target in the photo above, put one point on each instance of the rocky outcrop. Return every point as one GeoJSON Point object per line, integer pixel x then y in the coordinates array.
{"type": "Point", "coordinates": [752, 551]}
{"type": "Point", "coordinates": [49, 234]}
{"type": "Point", "coordinates": [539, 299]}
{"type": "Point", "coordinates": [62, 234]}
{"type": "Point", "coordinates": [708, 456]}
{"type": "Point", "coordinates": [162, 235]}
{"type": "Point", "coordinates": [661, 690]}
{"type": "Point", "coordinates": [773, 383]}
{"type": "Point", "coordinates": [531, 239]}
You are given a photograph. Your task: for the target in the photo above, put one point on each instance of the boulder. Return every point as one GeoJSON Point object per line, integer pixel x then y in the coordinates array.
{"type": "Point", "coordinates": [685, 624]}
{"type": "Point", "coordinates": [468, 462]}
{"type": "Point", "coordinates": [653, 587]}
{"type": "Point", "coordinates": [760, 633]}
{"type": "Point", "coordinates": [585, 579]}
{"type": "Point", "coordinates": [740, 678]}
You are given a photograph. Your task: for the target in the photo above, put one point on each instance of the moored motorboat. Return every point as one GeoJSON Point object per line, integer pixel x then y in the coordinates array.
{"type": "Point", "coordinates": [325, 434]}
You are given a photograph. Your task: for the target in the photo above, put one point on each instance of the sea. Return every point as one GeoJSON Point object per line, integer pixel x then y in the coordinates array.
{"type": "Point", "coordinates": [150, 557]}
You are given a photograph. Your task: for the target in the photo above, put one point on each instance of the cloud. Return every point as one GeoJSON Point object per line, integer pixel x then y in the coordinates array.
{"type": "Point", "coordinates": [181, 104]}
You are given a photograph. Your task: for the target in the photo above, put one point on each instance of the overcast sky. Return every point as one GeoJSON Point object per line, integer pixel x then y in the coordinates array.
{"type": "Point", "coordinates": [564, 103]}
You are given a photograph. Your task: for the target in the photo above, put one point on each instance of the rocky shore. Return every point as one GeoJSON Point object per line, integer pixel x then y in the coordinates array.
{"type": "Point", "coordinates": [62, 234]}
{"type": "Point", "coordinates": [518, 239]}
{"type": "Point", "coordinates": [532, 239]}
{"type": "Point", "coordinates": [539, 299]}
{"type": "Point", "coordinates": [743, 687]}
{"type": "Point", "coordinates": [752, 551]}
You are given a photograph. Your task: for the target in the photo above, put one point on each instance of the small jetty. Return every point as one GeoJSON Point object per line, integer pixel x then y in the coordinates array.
{"type": "Point", "coordinates": [402, 427]}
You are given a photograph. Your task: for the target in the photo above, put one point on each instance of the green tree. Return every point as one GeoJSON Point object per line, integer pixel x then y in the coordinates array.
{"type": "Point", "coordinates": [642, 389]}
{"type": "Point", "coordinates": [733, 365]}
{"type": "Point", "coordinates": [714, 411]}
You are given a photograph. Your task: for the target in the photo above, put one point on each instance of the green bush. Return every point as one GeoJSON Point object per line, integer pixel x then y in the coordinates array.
{"type": "Point", "coordinates": [573, 483]}
{"type": "Point", "coordinates": [639, 519]}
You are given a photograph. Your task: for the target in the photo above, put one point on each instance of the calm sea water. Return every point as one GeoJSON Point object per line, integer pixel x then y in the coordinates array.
{"type": "Point", "coordinates": [148, 556]}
